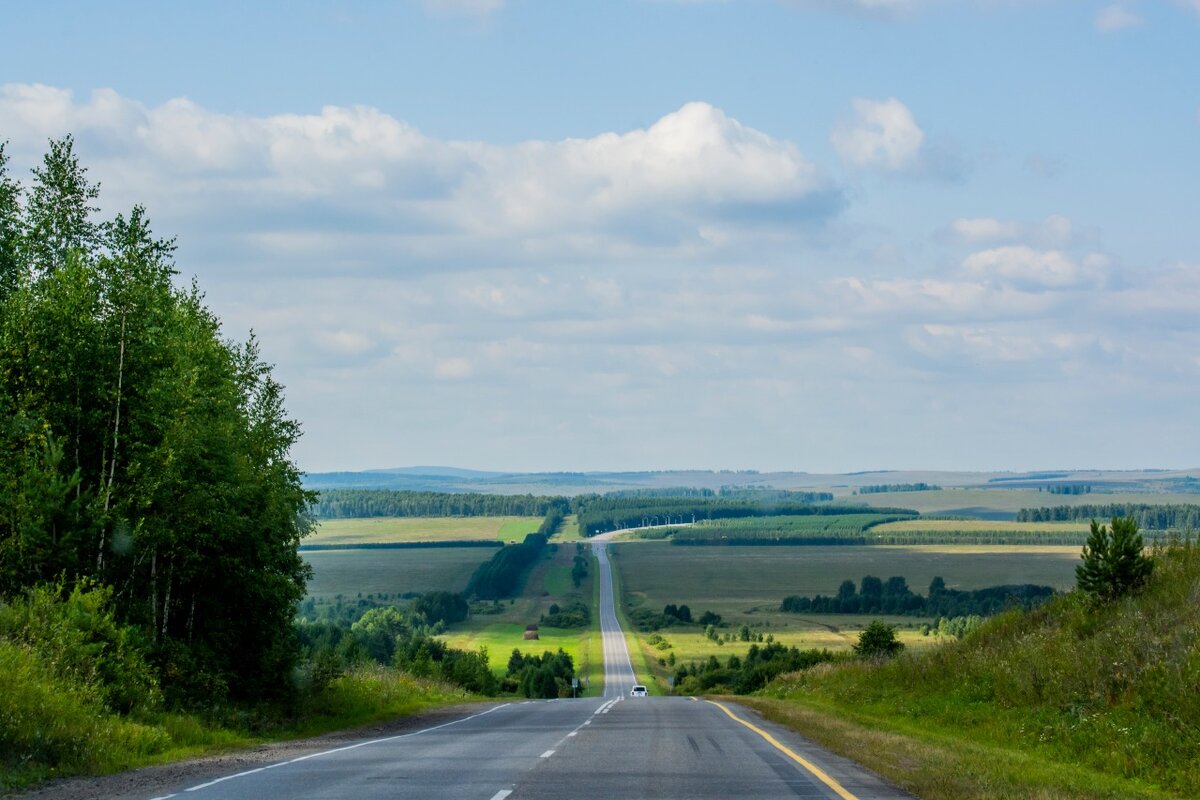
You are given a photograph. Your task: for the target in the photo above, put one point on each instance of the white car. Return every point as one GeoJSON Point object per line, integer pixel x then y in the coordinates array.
{"type": "Point", "coordinates": [638, 691]}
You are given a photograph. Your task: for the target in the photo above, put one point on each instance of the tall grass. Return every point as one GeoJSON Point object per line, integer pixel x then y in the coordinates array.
{"type": "Point", "coordinates": [1114, 688]}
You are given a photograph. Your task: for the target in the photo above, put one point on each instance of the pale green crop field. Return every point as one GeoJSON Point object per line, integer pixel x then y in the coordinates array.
{"type": "Point", "coordinates": [425, 569]}
{"type": "Point", "coordinates": [379, 530]}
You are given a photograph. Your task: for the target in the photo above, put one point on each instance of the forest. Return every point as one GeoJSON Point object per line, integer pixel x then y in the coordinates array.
{"type": "Point", "coordinates": [360, 503]}
{"type": "Point", "coordinates": [874, 595]}
{"type": "Point", "coordinates": [1175, 517]}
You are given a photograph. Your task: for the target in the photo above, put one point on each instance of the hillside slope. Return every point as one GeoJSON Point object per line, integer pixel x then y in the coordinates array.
{"type": "Point", "coordinates": [1064, 701]}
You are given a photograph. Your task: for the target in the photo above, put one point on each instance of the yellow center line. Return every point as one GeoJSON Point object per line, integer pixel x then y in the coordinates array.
{"type": "Point", "coordinates": [821, 774]}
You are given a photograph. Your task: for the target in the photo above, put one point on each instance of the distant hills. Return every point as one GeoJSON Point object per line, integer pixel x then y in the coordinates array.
{"type": "Point", "coordinates": [456, 479]}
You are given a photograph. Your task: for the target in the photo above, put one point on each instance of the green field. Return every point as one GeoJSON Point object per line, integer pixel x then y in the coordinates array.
{"type": "Point", "coordinates": [784, 526]}
{"type": "Point", "coordinates": [378, 530]}
{"type": "Point", "coordinates": [351, 572]}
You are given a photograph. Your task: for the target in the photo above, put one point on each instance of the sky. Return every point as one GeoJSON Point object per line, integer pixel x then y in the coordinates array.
{"type": "Point", "coordinates": [814, 235]}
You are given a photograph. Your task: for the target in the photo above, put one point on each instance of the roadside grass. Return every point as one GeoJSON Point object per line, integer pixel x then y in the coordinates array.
{"type": "Point", "coordinates": [383, 530]}
{"type": "Point", "coordinates": [50, 720]}
{"type": "Point", "coordinates": [1095, 700]}
{"type": "Point", "coordinates": [944, 766]}
{"type": "Point", "coordinates": [353, 572]}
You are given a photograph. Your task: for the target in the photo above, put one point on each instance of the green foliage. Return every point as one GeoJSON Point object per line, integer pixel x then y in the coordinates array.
{"type": "Point", "coordinates": [1113, 562]}
{"type": "Point", "coordinates": [501, 575]}
{"type": "Point", "coordinates": [360, 503]}
{"type": "Point", "coordinates": [139, 448]}
{"type": "Point", "coordinates": [1156, 517]}
{"type": "Point", "coordinates": [896, 598]}
{"type": "Point", "coordinates": [878, 640]}
{"type": "Point", "coordinates": [599, 513]}
{"type": "Point", "coordinates": [575, 615]}
{"type": "Point", "coordinates": [441, 606]}
{"type": "Point", "coordinates": [548, 675]}
{"type": "Point", "coordinates": [77, 634]}
{"type": "Point", "coordinates": [760, 666]}
{"type": "Point", "coordinates": [883, 488]}
{"type": "Point", "coordinates": [1109, 687]}
{"type": "Point", "coordinates": [825, 525]}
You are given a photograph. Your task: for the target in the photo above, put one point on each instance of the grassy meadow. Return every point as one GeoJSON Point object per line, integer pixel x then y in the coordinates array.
{"type": "Point", "coordinates": [387, 530]}
{"type": "Point", "coordinates": [351, 572]}
{"type": "Point", "coordinates": [548, 583]}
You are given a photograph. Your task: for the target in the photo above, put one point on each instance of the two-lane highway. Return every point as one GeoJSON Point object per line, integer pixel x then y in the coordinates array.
{"type": "Point", "coordinates": [610, 747]}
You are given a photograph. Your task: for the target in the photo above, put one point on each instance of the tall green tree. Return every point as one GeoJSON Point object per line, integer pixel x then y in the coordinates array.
{"type": "Point", "coordinates": [140, 448]}
{"type": "Point", "coordinates": [1114, 563]}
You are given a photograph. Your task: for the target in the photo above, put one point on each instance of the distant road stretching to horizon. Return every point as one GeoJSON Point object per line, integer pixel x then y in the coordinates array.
{"type": "Point", "coordinates": [615, 746]}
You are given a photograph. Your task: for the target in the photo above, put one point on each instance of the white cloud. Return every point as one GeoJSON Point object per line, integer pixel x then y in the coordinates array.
{"type": "Point", "coordinates": [371, 184]}
{"type": "Point", "coordinates": [883, 135]}
{"type": "Point", "coordinates": [1116, 17]}
{"type": "Point", "coordinates": [1023, 266]}
{"type": "Point", "coordinates": [984, 229]}
{"type": "Point", "coordinates": [453, 369]}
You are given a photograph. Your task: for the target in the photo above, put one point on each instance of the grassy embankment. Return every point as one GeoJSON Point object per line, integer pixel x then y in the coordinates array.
{"type": "Point", "coordinates": [746, 584]}
{"type": "Point", "coordinates": [1067, 701]}
{"type": "Point", "coordinates": [76, 697]}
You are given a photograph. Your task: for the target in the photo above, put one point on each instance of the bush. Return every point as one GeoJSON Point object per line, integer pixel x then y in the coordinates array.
{"type": "Point", "coordinates": [878, 639]}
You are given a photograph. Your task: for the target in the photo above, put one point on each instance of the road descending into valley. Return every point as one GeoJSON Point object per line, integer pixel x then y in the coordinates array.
{"type": "Point", "coordinates": [615, 746]}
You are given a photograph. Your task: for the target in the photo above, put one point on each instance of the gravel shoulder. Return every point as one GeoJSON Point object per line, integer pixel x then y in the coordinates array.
{"type": "Point", "coordinates": [147, 782]}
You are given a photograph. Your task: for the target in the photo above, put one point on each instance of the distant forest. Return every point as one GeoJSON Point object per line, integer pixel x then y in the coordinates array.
{"type": "Point", "coordinates": [893, 596]}
{"type": "Point", "coordinates": [881, 488]}
{"type": "Point", "coordinates": [1149, 517]}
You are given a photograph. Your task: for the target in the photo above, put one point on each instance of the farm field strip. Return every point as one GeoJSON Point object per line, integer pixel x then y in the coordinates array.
{"type": "Point", "coordinates": [351, 572]}
{"type": "Point", "coordinates": [979, 526]}
{"type": "Point", "coordinates": [380, 530]}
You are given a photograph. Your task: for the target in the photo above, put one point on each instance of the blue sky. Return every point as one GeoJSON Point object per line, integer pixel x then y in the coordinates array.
{"type": "Point", "coordinates": [819, 234]}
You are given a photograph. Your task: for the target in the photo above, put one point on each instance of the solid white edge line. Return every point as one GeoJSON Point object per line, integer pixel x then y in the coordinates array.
{"type": "Point", "coordinates": [342, 749]}
{"type": "Point", "coordinates": [500, 795]}
{"type": "Point", "coordinates": [547, 754]}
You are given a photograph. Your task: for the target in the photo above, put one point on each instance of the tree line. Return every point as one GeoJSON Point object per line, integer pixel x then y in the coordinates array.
{"type": "Point", "coordinates": [597, 514]}
{"type": "Point", "coordinates": [142, 452]}
{"type": "Point", "coordinates": [873, 595]}
{"type": "Point", "coordinates": [883, 488]}
{"type": "Point", "coordinates": [500, 576]}
{"type": "Point", "coordinates": [1167, 517]}
{"type": "Point", "coordinates": [361, 503]}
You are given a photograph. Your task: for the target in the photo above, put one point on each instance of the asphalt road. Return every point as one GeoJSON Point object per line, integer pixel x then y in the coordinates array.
{"type": "Point", "coordinates": [614, 746]}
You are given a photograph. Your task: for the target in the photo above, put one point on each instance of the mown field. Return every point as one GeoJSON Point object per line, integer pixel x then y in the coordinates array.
{"type": "Point", "coordinates": [351, 572]}
{"type": "Point", "coordinates": [385, 530]}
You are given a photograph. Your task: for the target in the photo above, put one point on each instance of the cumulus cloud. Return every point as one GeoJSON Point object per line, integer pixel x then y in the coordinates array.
{"type": "Point", "coordinates": [1116, 17]}
{"type": "Point", "coordinates": [881, 134]}
{"type": "Point", "coordinates": [358, 170]}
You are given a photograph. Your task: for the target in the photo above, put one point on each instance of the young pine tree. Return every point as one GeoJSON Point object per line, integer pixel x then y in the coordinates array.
{"type": "Point", "coordinates": [1113, 561]}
